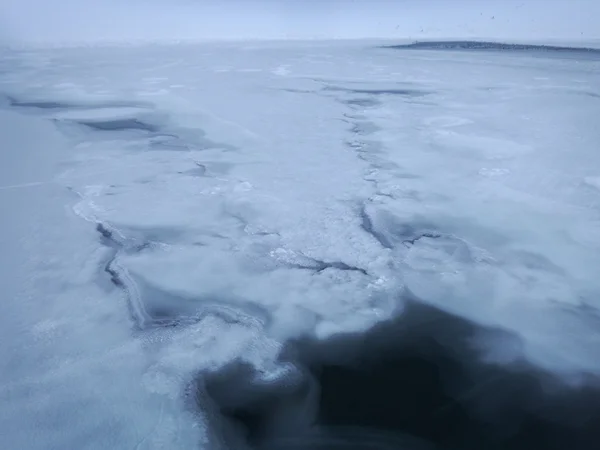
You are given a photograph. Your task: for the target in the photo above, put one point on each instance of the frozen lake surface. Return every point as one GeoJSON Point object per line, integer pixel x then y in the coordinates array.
{"type": "Point", "coordinates": [201, 245]}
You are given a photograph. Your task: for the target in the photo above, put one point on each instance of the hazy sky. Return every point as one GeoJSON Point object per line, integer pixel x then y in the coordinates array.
{"type": "Point", "coordinates": [53, 21]}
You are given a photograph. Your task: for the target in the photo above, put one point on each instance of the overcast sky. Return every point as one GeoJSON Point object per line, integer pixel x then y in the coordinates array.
{"type": "Point", "coordinates": [52, 21]}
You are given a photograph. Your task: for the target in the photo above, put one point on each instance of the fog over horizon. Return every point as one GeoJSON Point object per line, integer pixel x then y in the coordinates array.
{"type": "Point", "coordinates": [95, 21]}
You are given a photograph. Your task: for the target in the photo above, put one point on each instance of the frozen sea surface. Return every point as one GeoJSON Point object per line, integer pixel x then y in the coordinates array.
{"type": "Point", "coordinates": [179, 218]}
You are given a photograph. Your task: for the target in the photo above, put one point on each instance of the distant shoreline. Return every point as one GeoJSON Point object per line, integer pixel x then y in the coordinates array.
{"type": "Point", "coordinates": [387, 42]}
{"type": "Point", "coordinates": [489, 45]}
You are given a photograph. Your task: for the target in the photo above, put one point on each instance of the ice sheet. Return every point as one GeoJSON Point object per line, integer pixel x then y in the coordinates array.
{"type": "Point", "coordinates": [238, 196]}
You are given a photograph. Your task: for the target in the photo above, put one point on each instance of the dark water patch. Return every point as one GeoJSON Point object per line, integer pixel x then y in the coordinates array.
{"type": "Point", "coordinates": [40, 104]}
{"type": "Point", "coordinates": [363, 102]}
{"type": "Point", "coordinates": [66, 105]}
{"type": "Point", "coordinates": [420, 374]}
{"type": "Point", "coordinates": [344, 438]}
{"type": "Point", "coordinates": [119, 125]}
{"type": "Point", "coordinates": [115, 275]}
{"type": "Point", "coordinates": [319, 266]}
{"type": "Point", "coordinates": [108, 236]}
{"type": "Point", "coordinates": [404, 92]}
{"type": "Point", "coordinates": [338, 265]}
{"type": "Point", "coordinates": [243, 418]}
{"type": "Point", "coordinates": [111, 237]}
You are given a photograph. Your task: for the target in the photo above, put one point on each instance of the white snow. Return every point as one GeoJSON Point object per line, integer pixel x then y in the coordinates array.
{"type": "Point", "coordinates": [278, 190]}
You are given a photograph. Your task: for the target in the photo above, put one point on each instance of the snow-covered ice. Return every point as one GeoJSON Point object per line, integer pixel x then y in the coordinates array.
{"type": "Point", "coordinates": [238, 196]}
